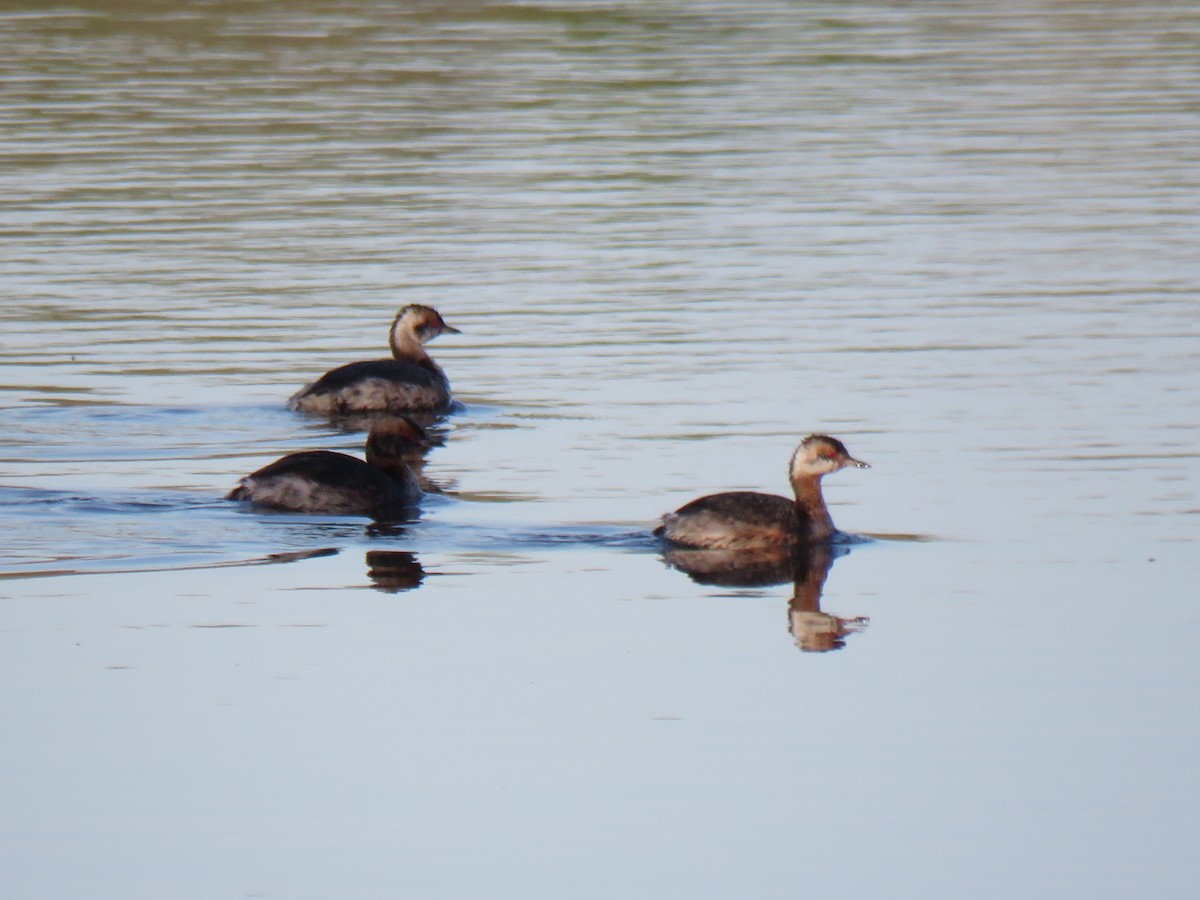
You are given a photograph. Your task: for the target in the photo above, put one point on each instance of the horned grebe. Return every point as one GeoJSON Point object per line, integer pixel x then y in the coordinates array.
{"type": "Point", "coordinates": [321, 481]}
{"type": "Point", "coordinates": [411, 380]}
{"type": "Point", "coordinates": [747, 520]}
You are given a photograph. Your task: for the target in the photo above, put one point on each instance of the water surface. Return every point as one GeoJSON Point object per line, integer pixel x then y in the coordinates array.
{"type": "Point", "coordinates": [676, 240]}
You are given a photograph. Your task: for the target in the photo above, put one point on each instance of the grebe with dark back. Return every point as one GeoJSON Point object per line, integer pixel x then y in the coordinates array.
{"type": "Point", "coordinates": [408, 382]}
{"type": "Point", "coordinates": [323, 481]}
{"type": "Point", "coordinates": [749, 520]}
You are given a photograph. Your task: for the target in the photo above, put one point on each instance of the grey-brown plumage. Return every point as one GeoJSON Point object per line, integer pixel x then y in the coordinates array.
{"type": "Point", "coordinates": [322, 481]}
{"type": "Point", "coordinates": [750, 520]}
{"type": "Point", "coordinates": [410, 381]}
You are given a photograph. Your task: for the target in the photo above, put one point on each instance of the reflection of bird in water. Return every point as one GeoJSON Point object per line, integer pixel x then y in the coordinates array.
{"type": "Point", "coordinates": [394, 570]}
{"type": "Point", "coordinates": [321, 481]}
{"type": "Point", "coordinates": [749, 520]}
{"type": "Point", "coordinates": [816, 631]}
{"type": "Point", "coordinates": [409, 381]}
{"type": "Point", "coordinates": [806, 566]}
{"type": "Point", "coordinates": [737, 568]}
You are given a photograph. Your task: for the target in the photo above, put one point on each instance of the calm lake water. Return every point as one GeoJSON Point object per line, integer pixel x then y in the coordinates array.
{"type": "Point", "coordinates": [677, 238]}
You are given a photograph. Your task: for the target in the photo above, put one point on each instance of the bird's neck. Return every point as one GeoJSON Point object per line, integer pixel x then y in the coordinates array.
{"type": "Point", "coordinates": [405, 346]}
{"type": "Point", "coordinates": [393, 465]}
{"type": "Point", "coordinates": [812, 505]}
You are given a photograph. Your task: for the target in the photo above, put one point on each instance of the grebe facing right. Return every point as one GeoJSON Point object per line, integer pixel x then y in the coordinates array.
{"type": "Point", "coordinates": [321, 481]}
{"type": "Point", "coordinates": [745, 520]}
{"type": "Point", "coordinates": [409, 381]}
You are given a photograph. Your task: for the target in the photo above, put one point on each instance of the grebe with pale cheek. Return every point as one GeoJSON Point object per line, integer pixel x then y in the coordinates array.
{"type": "Point", "coordinates": [409, 381]}
{"type": "Point", "coordinates": [749, 520]}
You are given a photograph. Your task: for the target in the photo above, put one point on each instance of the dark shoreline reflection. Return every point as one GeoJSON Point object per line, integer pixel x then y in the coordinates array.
{"type": "Point", "coordinates": [806, 568]}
